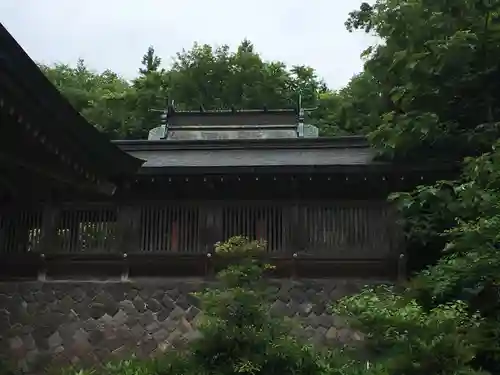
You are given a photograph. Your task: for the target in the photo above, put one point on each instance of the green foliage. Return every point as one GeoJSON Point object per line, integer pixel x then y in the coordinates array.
{"type": "Point", "coordinates": [404, 338]}
{"type": "Point", "coordinates": [436, 68]}
{"type": "Point", "coordinates": [469, 268]}
{"type": "Point", "coordinates": [355, 109]}
{"type": "Point", "coordinates": [435, 71]}
{"type": "Point", "coordinates": [238, 335]}
{"type": "Point", "coordinates": [214, 78]}
{"type": "Point", "coordinates": [131, 366]}
{"type": "Point", "coordinates": [6, 368]}
{"type": "Point", "coordinates": [101, 97]}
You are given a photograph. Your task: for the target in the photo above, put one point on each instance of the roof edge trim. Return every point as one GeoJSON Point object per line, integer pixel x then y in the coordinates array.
{"type": "Point", "coordinates": [228, 144]}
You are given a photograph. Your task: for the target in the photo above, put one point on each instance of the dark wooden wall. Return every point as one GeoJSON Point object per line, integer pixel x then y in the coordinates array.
{"type": "Point", "coordinates": [341, 231]}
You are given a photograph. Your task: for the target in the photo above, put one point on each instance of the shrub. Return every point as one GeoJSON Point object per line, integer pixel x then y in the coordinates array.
{"type": "Point", "coordinates": [403, 338]}
{"type": "Point", "coordinates": [238, 335]}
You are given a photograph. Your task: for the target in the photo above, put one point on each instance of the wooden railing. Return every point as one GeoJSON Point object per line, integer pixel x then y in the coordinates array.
{"type": "Point", "coordinates": [332, 229]}
{"type": "Point", "coordinates": [342, 231]}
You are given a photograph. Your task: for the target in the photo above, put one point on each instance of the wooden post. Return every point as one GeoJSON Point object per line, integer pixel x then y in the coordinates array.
{"type": "Point", "coordinates": [296, 227]}
{"type": "Point", "coordinates": [42, 270]}
{"type": "Point", "coordinates": [48, 235]}
{"type": "Point", "coordinates": [128, 236]}
{"type": "Point", "coordinates": [294, 265]}
{"type": "Point", "coordinates": [210, 227]}
{"type": "Point", "coordinates": [398, 244]}
{"type": "Point", "coordinates": [125, 268]}
{"type": "Point", "coordinates": [3, 232]}
{"type": "Point", "coordinates": [401, 268]}
{"type": "Point", "coordinates": [209, 266]}
{"type": "Point", "coordinates": [128, 232]}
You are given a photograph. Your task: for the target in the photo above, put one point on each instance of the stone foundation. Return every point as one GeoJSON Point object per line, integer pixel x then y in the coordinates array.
{"type": "Point", "coordinates": [85, 323]}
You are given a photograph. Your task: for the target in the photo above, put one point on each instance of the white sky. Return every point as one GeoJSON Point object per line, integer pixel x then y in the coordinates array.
{"type": "Point", "coordinates": [115, 34]}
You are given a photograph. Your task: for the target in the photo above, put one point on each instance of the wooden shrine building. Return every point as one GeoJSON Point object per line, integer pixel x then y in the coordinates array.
{"type": "Point", "coordinates": [73, 204]}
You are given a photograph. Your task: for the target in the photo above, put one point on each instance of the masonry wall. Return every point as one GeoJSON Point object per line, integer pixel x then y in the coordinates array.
{"type": "Point", "coordinates": [60, 323]}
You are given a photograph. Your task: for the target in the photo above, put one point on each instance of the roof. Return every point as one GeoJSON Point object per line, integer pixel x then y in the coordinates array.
{"type": "Point", "coordinates": [251, 153]}
{"type": "Point", "coordinates": [229, 124]}
{"type": "Point", "coordinates": [261, 118]}
{"type": "Point", "coordinates": [351, 154]}
{"type": "Point", "coordinates": [32, 95]}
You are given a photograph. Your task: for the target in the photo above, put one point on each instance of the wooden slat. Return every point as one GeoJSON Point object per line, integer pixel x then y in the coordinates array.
{"type": "Point", "coordinates": [328, 230]}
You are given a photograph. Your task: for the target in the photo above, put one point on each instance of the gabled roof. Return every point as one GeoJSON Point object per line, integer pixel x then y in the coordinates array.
{"type": "Point", "coordinates": [226, 119]}
{"type": "Point", "coordinates": [251, 153]}
{"type": "Point", "coordinates": [230, 124]}
{"type": "Point", "coordinates": [30, 96]}
{"type": "Point", "coordinates": [351, 154]}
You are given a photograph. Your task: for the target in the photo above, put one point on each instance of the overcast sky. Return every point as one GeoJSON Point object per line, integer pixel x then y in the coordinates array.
{"type": "Point", "coordinates": [115, 34]}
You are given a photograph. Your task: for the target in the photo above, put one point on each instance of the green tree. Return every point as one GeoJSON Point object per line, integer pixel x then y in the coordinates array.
{"type": "Point", "coordinates": [354, 109]}
{"type": "Point", "coordinates": [203, 76]}
{"type": "Point", "coordinates": [219, 78]}
{"type": "Point", "coordinates": [100, 97]}
{"type": "Point", "coordinates": [437, 65]}
{"type": "Point", "coordinates": [238, 334]}
{"type": "Point", "coordinates": [151, 92]}
{"type": "Point", "coordinates": [435, 70]}
{"type": "Point", "coordinates": [402, 337]}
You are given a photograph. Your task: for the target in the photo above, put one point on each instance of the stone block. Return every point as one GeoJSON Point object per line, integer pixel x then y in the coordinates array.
{"type": "Point", "coordinates": [176, 313]}
{"type": "Point", "coordinates": [152, 327]}
{"type": "Point", "coordinates": [128, 307]}
{"type": "Point", "coordinates": [29, 343]}
{"type": "Point", "coordinates": [279, 308]}
{"type": "Point", "coordinates": [331, 333]}
{"type": "Point", "coordinates": [77, 294]}
{"type": "Point", "coordinates": [191, 313]}
{"type": "Point", "coordinates": [96, 310]}
{"type": "Point", "coordinates": [120, 318]}
{"type": "Point", "coordinates": [183, 302]}
{"type": "Point", "coordinates": [160, 335]}
{"type": "Point", "coordinates": [153, 305]}
{"type": "Point", "coordinates": [146, 318]}
{"type": "Point", "coordinates": [148, 346]}
{"type": "Point", "coordinates": [173, 293]}
{"type": "Point", "coordinates": [137, 332]}
{"type": "Point", "coordinates": [55, 340]}
{"type": "Point", "coordinates": [139, 304]}
{"type": "Point", "coordinates": [96, 337]}
{"type": "Point", "coordinates": [16, 343]}
{"type": "Point", "coordinates": [82, 322]}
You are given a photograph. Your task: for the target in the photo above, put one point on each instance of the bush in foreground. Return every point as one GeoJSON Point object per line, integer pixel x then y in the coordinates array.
{"type": "Point", "coordinates": [404, 338]}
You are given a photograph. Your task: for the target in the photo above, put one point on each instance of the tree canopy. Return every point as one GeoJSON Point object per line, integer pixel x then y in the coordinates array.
{"type": "Point", "coordinates": [203, 76]}
{"type": "Point", "coordinates": [434, 74]}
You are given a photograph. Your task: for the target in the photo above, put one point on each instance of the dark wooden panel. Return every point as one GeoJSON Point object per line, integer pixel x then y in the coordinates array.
{"type": "Point", "coordinates": [93, 267]}
{"type": "Point", "coordinates": [25, 266]}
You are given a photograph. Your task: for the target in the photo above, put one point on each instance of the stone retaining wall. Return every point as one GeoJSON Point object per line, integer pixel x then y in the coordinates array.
{"type": "Point", "coordinates": [84, 323]}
